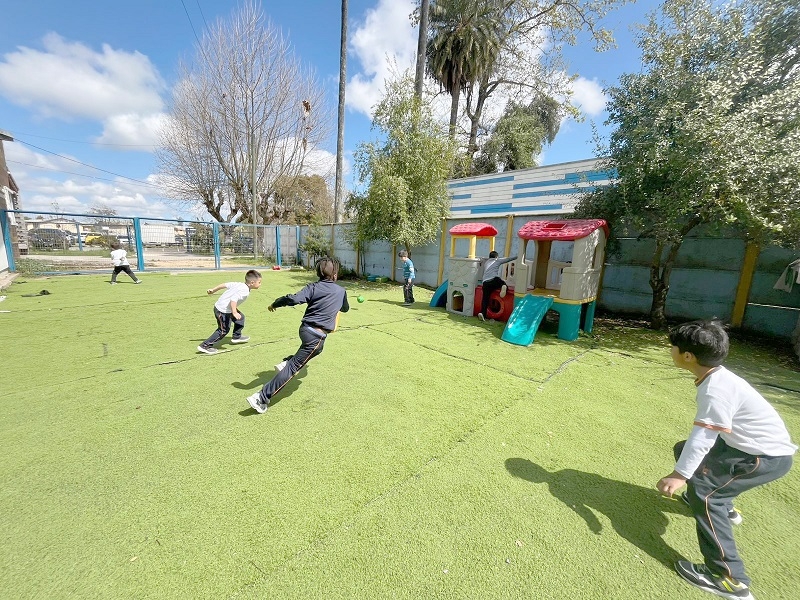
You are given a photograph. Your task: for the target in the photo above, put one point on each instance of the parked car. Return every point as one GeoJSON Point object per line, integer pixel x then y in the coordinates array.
{"type": "Point", "coordinates": [239, 244]}
{"type": "Point", "coordinates": [49, 238]}
{"type": "Point", "coordinates": [40, 241]}
{"type": "Point", "coordinates": [95, 239]}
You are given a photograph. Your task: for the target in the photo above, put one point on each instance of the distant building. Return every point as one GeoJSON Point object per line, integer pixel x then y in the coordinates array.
{"type": "Point", "coordinates": [554, 189]}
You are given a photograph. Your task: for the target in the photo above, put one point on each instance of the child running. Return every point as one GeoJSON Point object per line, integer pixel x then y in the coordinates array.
{"type": "Point", "coordinates": [325, 299]}
{"type": "Point", "coordinates": [119, 258]}
{"type": "Point", "coordinates": [226, 310]}
{"type": "Point", "coordinates": [738, 442]}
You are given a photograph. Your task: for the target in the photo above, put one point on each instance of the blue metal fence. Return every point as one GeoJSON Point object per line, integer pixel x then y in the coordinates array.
{"type": "Point", "coordinates": [75, 242]}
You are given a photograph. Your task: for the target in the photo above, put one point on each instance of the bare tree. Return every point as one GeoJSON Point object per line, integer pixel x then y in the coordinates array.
{"type": "Point", "coordinates": [244, 114]}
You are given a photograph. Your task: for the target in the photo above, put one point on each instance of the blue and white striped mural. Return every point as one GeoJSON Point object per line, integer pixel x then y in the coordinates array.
{"type": "Point", "coordinates": [554, 189]}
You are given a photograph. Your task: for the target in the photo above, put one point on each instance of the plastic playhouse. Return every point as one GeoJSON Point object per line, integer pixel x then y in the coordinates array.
{"type": "Point", "coordinates": [562, 274]}
{"type": "Point", "coordinates": [462, 292]}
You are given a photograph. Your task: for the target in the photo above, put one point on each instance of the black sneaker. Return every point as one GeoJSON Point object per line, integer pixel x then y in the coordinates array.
{"type": "Point", "coordinates": [207, 349]}
{"type": "Point", "coordinates": [734, 516]}
{"type": "Point", "coordinates": [700, 577]}
{"type": "Point", "coordinates": [240, 340]}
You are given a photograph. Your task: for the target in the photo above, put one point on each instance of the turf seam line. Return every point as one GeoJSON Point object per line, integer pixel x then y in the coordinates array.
{"type": "Point", "coordinates": [563, 365]}
{"type": "Point", "coordinates": [460, 358]}
{"type": "Point", "coordinates": [398, 486]}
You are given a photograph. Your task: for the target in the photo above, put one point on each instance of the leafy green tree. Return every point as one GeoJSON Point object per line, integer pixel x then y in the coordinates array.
{"type": "Point", "coordinates": [317, 242]}
{"type": "Point", "coordinates": [519, 136]}
{"type": "Point", "coordinates": [405, 174]}
{"type": "Point", "coordinates": [708, 133]}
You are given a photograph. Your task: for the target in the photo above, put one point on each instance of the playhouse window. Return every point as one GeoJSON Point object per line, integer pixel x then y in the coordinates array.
{"type": "Point", "coordinates": [562, 251]}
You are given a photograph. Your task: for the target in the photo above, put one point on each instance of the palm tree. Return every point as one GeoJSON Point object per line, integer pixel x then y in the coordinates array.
{"type": "Point", "coordinates": [464, 44]}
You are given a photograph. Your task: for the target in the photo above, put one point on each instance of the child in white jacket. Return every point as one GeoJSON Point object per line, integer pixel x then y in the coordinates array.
{"type": "Point", "coordinates": [120, 259]}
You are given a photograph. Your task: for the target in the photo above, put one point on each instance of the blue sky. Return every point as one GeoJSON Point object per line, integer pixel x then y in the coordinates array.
{"type": "Point", "coordinates": [85, 84]}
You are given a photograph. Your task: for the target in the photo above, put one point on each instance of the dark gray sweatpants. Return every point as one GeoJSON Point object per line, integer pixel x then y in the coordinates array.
{"type": "Point", "coordinates": [724, 474]}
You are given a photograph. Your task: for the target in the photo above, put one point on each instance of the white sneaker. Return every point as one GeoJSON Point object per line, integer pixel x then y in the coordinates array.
{"type": "Point", "coordinates": [481, 317]}
{"type": "Point", "coordinates": [279, 367]}
{"type": "Point", "coordinates": [240, 340]}
{"type": "Point", "coordinates": [255, 402]}
{"type": "Point", "coordinates": [207, 350]}
{"type": "Point", "coordinates": [503, 291]}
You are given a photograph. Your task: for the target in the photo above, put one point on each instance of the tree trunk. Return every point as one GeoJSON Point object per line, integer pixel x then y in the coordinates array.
{"type": "Point", "coordinates": [660, 274]}
{"type": "Point", "coordinates": [454, 111]}
{"type": "Point", "coordinates": [475, 116]}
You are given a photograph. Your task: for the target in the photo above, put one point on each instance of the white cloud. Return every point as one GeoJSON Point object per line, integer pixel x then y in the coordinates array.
{"type": "Point", "coordinates": [588, 95]}
{"type": "Point", "coordinates": [48, 181]}
{"type": "Point", "coordinates": [68, 81]}
{"type": "Point", "coordinates": [132, 129]}
{"type": "Point", "coordinates": [384, 39]}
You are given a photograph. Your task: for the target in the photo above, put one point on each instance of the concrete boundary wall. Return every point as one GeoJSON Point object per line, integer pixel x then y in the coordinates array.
{"type": "Point", "coordinates": [705, 279]}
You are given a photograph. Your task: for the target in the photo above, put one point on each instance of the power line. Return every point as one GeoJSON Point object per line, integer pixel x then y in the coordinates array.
{"type": "Point", "coordinates": [87, 165]}
{"type": "Point", "coordinates": [18, 133]}
{"type": "Point", "coordinates": [190, 22]}
{"type": "Point", "coordinates": [16, 162]}
{"type": "Point", "coordinates": [201, 14]}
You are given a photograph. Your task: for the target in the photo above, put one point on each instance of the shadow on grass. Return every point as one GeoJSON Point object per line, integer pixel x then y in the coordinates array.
{"type": "Point", "coordinates": [636, 513]}
{"type": "Point", "coordinates": [263, 377]}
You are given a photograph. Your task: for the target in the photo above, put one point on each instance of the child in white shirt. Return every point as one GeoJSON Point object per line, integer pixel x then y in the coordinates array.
{"type": "Point", "coordinates": [738, 442]}
{"type": "Point", "coordinates": [120, 260]}
{"type": "Point", "coordinates": [226, 310]}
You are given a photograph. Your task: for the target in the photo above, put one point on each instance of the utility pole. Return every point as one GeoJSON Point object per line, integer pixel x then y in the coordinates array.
{"type": "Point", "coordinates": [253, 191]}
{"type": "Point", "coordinates": [422, 42]}
{"type": "Point", "coordinates": [339, 191]}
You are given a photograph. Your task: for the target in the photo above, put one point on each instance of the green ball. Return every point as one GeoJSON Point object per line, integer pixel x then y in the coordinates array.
{"type": "Point", "coordinates": [360, 298]}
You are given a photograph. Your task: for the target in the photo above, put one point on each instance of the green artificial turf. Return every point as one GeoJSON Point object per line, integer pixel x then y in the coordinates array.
{"type": "Point", "coordinates": [418, 457]}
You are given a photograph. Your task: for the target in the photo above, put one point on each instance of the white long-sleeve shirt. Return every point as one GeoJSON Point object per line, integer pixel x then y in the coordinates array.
{"type": "Point", "coordinates": [729, 407]}
{"type": "Point", "coordinates": [491, 268]}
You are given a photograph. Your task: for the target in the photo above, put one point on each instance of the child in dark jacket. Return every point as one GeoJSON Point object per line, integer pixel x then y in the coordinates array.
{"type": "Point", "coordinates": [325, 299]}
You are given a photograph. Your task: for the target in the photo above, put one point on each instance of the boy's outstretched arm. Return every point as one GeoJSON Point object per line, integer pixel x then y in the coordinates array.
{"type": "Point", "coordinates": [300, 297]}
{"type": "Point", "coordinates": [215, 289]}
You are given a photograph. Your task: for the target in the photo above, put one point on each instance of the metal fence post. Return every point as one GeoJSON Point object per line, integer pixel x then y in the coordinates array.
{"type": "Point", "coordinates": [7, 240]}
{"type": "Point", "coordinates": [137, 234]}
{"type": "Point", "coordinates": [297, 247]}
{"type": "Point", "coordinates": [215, 229]}
{"type": "Point", "coordinates": [278, 244]}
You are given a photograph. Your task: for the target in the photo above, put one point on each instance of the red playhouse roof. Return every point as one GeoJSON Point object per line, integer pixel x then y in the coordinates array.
{"type": "Point", "coordinates": [477, 229]}
{"type": "Point", "coordinates": [569, 229]}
